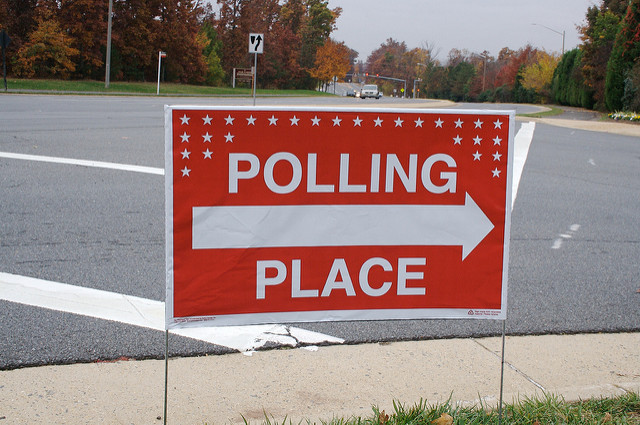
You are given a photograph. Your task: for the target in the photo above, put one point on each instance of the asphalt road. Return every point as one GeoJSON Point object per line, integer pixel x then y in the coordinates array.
{"type": "Point", "coordinates": [575, 238]}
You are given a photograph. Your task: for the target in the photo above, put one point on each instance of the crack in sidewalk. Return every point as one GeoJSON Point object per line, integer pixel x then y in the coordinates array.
{"type": "Point", "coordinates": [511, 366]}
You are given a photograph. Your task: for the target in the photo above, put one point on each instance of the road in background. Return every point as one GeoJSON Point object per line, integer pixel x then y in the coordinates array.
{"type": "Point", "coordinates": [574, 236]}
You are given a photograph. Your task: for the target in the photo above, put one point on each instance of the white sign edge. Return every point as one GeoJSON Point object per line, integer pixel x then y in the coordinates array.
{"type": "Point", "coordinates": [168, 199]}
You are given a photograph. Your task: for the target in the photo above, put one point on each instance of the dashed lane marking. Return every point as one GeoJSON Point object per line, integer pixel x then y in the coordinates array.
{"type": "Point", "coordinates": [557, 243]}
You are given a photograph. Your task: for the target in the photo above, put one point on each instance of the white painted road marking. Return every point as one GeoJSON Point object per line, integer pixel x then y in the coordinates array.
{"type": "Point", "coordinates": [144, 313]}
{"type": "Point", "coordinates": [521, 144]}
{"type": "Point", "coordinates": [84, 163]}
{"type": "Point", "coordinates": [557, 243]}
{"type": "Point", "coordinates": [150, 313]}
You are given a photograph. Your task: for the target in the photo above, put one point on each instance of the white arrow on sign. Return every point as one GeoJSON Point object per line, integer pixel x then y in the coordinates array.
{"type": "Point", "coordinates": [340, 225]}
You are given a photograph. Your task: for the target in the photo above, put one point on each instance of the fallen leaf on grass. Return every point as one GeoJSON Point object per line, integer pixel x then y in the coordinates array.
{"type": "Point", "coordinates": [444, 419]}
{"type": "Point", "coordinates": [607, 417]}
{"type": "Point", "coordinates": [383, 418]}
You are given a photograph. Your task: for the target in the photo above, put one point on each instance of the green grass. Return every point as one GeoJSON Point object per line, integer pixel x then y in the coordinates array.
{"type": "Point", "coordinates": [622, 410]}
{"type": "Point", "coordinates": [553, 112]}
{"type": "Point", "coordinates": [139, 88]}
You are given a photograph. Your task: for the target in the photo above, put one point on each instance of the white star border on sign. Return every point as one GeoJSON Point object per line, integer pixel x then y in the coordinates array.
{"type": "Point", "coordinates": [273, 121]}
{"type": "Point", "coordinates": [336, 120]}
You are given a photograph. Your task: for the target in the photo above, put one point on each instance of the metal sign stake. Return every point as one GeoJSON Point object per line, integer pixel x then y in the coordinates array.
{"type": "Point", "coordinates": [256, 45]}
{"type": "Point", "coordinates": [255, 76]}
{"type": "Point", "coordinates": [504, 322]}
{"type": "Point", "coordinates": [166, 373]}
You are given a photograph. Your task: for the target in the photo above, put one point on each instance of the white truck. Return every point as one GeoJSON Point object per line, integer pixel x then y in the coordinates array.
{"type": "Point", "coordinates": [370, 90]}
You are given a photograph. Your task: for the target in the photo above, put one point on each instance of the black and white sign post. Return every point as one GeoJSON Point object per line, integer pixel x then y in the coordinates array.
{"type": "Point", "coordinates": [256, 45]}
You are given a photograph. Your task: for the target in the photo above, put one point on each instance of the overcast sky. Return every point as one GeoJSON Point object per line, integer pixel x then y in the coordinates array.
{"type": "Point", "coordinates": [475, 25]}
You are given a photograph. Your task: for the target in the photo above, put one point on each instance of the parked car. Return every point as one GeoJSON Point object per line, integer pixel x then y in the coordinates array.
{"type": "Point", "coordinates": [351, 93]}
{"type": "Point", "coordinates": [370, 90]}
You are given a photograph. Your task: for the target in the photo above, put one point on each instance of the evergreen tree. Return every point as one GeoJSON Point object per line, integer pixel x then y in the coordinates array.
{"type": "Point", "coordinates": [568, 85]}
{"type": "Point", "coordinates": [625, 54]}
{"type": "Point", "coordinates": [598, 36]}
{"type": "Point", "coordinates": [212, 52]}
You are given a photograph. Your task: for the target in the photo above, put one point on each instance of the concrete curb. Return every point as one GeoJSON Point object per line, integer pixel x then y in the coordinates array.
{"type": "Point", "coordinates": [612, 127]}
{"type": "Point", "coordinates": [322, 383]}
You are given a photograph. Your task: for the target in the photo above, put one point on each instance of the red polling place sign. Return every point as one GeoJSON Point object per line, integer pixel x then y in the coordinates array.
{"type": "Point", "coordinates": [317, 214]}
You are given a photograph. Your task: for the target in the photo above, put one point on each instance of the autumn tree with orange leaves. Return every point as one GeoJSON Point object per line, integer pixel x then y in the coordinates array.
{"type": "Point", "coordinates": [538, 75]}
{"type": "Point", "coordinates": [47, 53]}
{"type": "Point", "coordinates": [332, 60]}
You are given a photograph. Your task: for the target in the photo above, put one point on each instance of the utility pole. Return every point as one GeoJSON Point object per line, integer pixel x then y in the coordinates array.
{"type": "Point", "coordinates": [108, 64]}
{"type": "Point", "coordinates": [4, 42]}
{"type": "Point", "coordinates": [485, 54]}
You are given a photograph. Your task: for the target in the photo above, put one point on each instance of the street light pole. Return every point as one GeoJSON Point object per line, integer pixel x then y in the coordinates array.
{"type": "Point", "coordinates": [557, 32]}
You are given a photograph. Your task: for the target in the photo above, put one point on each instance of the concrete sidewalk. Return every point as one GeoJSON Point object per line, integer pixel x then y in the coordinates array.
{"type": "Point", "coordinates": [321, 383]}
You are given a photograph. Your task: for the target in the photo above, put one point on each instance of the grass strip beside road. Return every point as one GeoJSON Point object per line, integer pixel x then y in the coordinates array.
{"type": "Point", "coordinates": [550, 409]}
{"type": "Point", "coordinates": [553, 111]}
{"type": "Point", "coordinates": [141, 88]}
